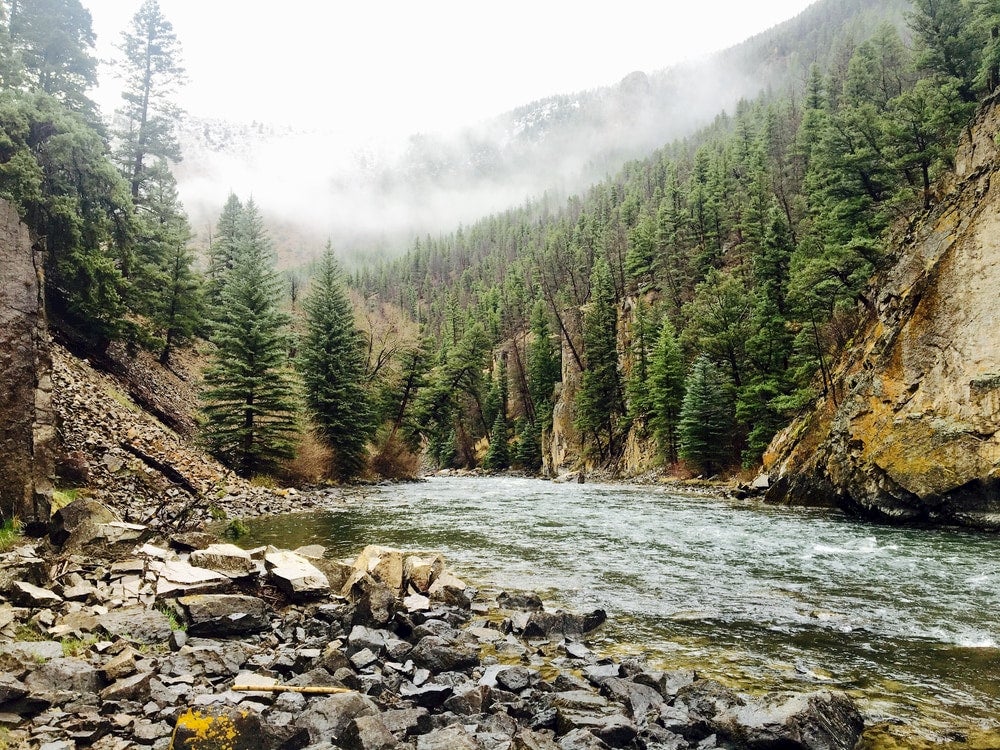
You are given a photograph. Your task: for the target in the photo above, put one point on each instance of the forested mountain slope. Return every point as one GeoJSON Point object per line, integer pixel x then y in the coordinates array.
{"type": "Point", "coordinates": [911, 427]}
{"type": "Point", "coordinates": [700, 295]}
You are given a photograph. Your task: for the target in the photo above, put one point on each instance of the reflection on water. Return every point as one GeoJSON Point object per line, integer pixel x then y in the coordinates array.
{"type": "Point", "coordinates": [907, 620]}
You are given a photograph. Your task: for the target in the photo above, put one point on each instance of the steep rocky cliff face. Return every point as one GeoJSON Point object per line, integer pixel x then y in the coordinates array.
{"type": "Point", "coordinates": [914, 432]}
{"type": "Point", "coordinates": [27, 432]}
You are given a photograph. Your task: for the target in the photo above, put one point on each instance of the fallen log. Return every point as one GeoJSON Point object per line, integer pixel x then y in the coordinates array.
{"type": "Point", "coordinates": [310, 689]}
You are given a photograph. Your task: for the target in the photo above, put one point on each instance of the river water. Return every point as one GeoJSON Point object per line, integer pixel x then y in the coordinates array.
{"type": "Point", "coordinates": [761, 598]}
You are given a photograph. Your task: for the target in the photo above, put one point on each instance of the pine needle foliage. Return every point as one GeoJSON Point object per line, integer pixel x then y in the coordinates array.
{"type": "Point", "coordinates": [333, 371]}
{"type": "Point", "coordinates": [249, 400]}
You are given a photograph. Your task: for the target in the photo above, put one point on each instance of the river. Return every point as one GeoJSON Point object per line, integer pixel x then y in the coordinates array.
{"type": "Point", "coordinates": [762, 598]}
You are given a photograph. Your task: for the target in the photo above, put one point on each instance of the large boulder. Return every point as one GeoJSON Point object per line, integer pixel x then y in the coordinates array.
{"type": "Point", "coordinates": [329, 718]}
{"type": "Point", "coordinates": [79, 518]}
{"type": "Point", "coordinates": [218, 727]}
{"type": "Point", "coordinates": [227, 559]}
{"type": "Point", "coordinates": [298, 578]}
{"type": "Point", "coordinates": [225, 614]}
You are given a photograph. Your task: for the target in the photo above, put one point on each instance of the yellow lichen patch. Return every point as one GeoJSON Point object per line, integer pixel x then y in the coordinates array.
{"type": "Point", "coordinates": [197, 730]}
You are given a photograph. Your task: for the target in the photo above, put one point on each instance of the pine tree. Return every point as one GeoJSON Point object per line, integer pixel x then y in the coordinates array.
{"type": "Point", "coordinates": [497, 457]}
{"type": "Point", "coordinates": [666, 389]}
{"type": "Point", "coordinates": [600, 403]}
{"type": "Point", "coordinates": [222, 253]}
{"type": "Point", "coordinates": [52, 47]}
{"type": "Point", "coordinates": [249, 398]}
{"type": "Point", "coordinates": [332, 369]}
{"type": "Point", "coordinates": [152, 73]}
{"type": "Point", "coordinates": [705, 429]}
{"type": "Point", "coordinates": [544, 368]}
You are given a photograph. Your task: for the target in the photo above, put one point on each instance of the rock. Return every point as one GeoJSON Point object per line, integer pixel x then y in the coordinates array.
{"type": "Point", "coordinates": [544, 624]}
{"type": "Point", "coordinates": [28, 438]}
{"type": "Point", "coordinates": [227, 559]}
{"type": "Point", "coordinates": [527, 739]}
{"type": "Point", "coordinates": [439, 655]}
{"type": "Point", "coordinates": [517, 678]}
{"type": "Point", "coordinates": [29, 595]}
{"type": "Point", "coordinates": [295, 576]}
{"type": "Point", "coordinates": [32, 652]}
{"type": "Point", "coordinates": [581, 739]}
{"type": "Point", "coordinates": [177, 578]}
{"type": "Point", "coordinates": [641, 700]}
{"type": "Point", "coordinates": [430, 695]}
{"type": "Point", "coordinates": [11, 688]}
{"type": "Point", "coordinates": [375, 604]}
{"type": "Point", "coordinates": [420, 571]}
{"type": "Point", "coordinates": [225, 614]}
{"type": "Point", "coordinates": [384, 565]}
{"type": "Point", "coordinates": [455, 737]}
{"type": "Point", "coordinates": [192, 540]}
{"type": "Point", "coordinates": [403, 722]}
{"type": "Point", "coordinates": [120, 665]}
{"type": "Point", "coordinates": [417, 603]}
{"type": "Point", "coordinates": [63, 673]}
{"type": "Point", "coordinates": [218, 728]}
{"type": "Point", "coordinates": [137, 624]}
{"type": "Point", "coordinates": [75, 515]}
{"type": "Point", "coordinates": [913, 432]}
{"type": "Point", "coordinates": [367, 733]}
{"type": "Point", "coordinates": [528, 601]}
{"type": "Point", "coordinates": [328, 718]}
{"type": "Point", "coordinates": [22, 565]}
{"type": "Point", "coordinates": [449, 590]}
{"type": "Point", "coordinates": [817, 721]}
{"type": "Point", "coordinates": [134, 688]}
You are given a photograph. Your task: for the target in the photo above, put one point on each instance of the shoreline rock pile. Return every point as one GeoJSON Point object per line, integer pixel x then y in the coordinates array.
{"type": "Point", "coordinates": [124, 642]}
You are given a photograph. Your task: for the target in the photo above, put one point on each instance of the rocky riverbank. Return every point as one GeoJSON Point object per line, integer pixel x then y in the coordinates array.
{"type": "Point", "coordinates": [110, 638]}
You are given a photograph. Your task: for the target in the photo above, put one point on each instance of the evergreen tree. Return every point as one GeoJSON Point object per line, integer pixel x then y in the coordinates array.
{"type": "Point", "coordinates": [528, 455]}
{"type": "Point", "coordinates": [51, 43]}
{"type": "Point", "coordinates": [152, 74]}
{"type": "Point", "coordinates": [666, 389]}
{"type": "Point", "coordinates": [332, 368]}
{"type": "Point", "coordinates": [497, 457]}
{"type": "Point", "coordinates": [637, 386]}
{"type": "Point", "coordinates": [249, 397]}
{"type": "Point", "coordinates": [544, 368]}
{"type": "Point", "coordinates": [223, 250]}
{"type": "Point", "coordinates": [600, 403]}
{"type": "Point", "coordinates": [705, 428]}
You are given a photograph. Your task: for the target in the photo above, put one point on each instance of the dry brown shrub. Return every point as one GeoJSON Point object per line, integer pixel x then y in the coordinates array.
{"type": "Point", "coordinates": [393, 460]}
{"type": "Point", "coordinates": [312, 463]}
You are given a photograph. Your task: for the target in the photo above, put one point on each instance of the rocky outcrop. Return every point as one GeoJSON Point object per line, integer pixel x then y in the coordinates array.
{"type": "Point", "coordinates": [27, 432]}
{"type": "Point", "coordinates": [912, 431]}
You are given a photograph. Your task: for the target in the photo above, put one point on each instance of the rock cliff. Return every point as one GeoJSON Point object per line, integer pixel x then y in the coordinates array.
{"type": "Point", "coordinates": [913, 434]}
{"type": "Point", "coordinates": [27, 431]}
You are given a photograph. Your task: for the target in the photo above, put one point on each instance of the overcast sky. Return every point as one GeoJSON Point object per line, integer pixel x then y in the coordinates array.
{"type": "Point", "coordinates": [393, 67]}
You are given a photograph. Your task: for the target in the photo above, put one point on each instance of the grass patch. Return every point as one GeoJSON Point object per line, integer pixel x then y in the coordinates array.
{"type": "Point", "coordinates": [77, 646]}
{"type": "Point", "coordinates": [173, 617]}
{"type": "Point", "coordinates": [217, 513]}
{"type": "Point", "coordinates": [10, 533]}
{"type": "Point", "coordinates": [29, 632]}
{"type": "Point", "coordinates": [62, 498]}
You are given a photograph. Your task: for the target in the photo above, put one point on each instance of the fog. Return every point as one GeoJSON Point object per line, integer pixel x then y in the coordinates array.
{"type": "Point", "coordinates": [369, 124]}
{"type": "Point", "coordinates": [366, 194]}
